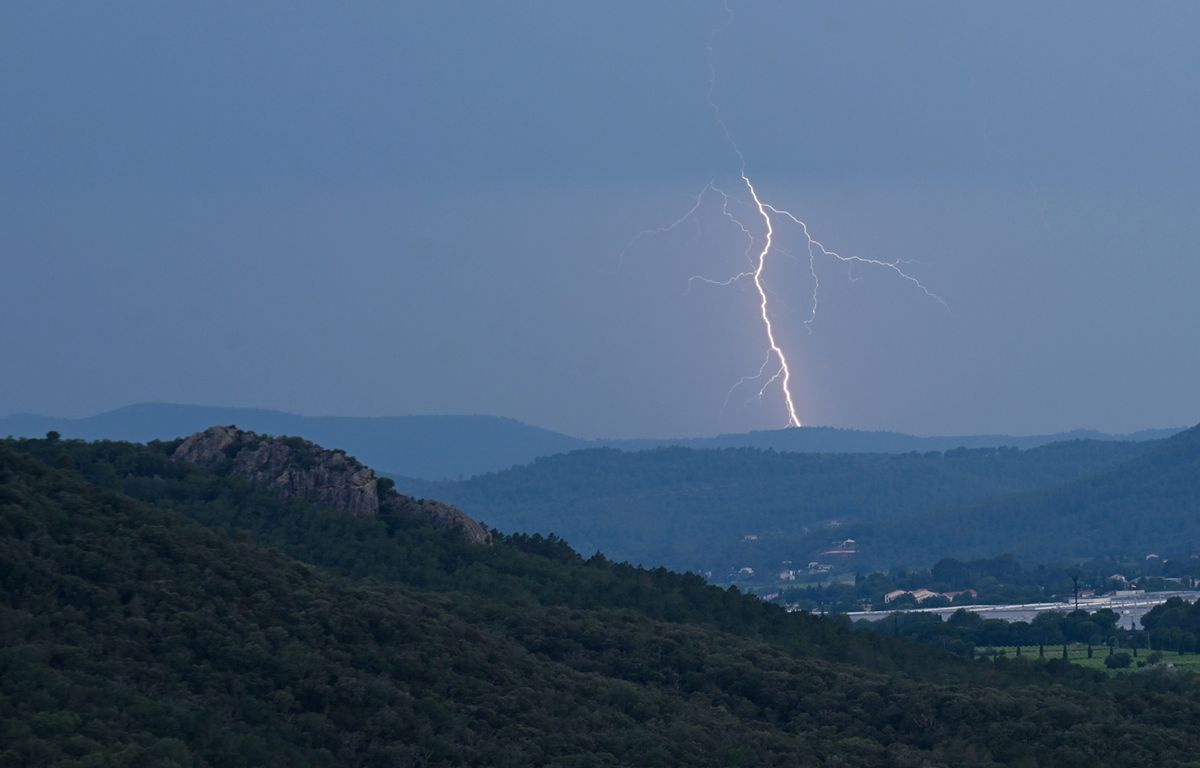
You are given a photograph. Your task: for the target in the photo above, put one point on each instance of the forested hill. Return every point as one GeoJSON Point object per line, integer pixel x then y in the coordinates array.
{"type": "Point", "coordinates": [155, 612]}
{"type": "Point", "coordinates": [454, 447]}
{"type": "Point", "coordinates": [1147, 505]}
{"type": "Point", "coordinates": [714, 510]}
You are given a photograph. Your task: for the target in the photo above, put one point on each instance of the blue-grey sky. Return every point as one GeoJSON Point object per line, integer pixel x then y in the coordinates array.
{"type": "Point", "coordinates": [393, 208]}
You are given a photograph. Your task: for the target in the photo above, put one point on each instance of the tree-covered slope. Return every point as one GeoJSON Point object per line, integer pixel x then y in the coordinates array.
{"type": "Point", "coordinates": [401, 544]}
{"type": "Point", "coordinates": [132, 634]}
{"type": "Point", "coordinates": [132, 637]}
{"type": "Point", "coordinates": [1149, 504]}
{"type": "Point", "coordinates": [722, 509]}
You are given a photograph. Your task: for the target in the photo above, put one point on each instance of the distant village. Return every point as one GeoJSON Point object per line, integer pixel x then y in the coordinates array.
{"type": "Point", "coordinates": [837, 549]}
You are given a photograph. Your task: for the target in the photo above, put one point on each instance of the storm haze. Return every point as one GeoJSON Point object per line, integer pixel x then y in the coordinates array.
{"type": "Point", "coordinates": [420, 208]}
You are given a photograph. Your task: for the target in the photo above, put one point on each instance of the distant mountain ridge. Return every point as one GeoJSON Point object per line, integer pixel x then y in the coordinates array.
{"type": "Point", "coordinates": [432, 447]}
{"type": "Point", "coordinates": [836, 440]}
{"type": "Point", "coordinates": [447, 447]}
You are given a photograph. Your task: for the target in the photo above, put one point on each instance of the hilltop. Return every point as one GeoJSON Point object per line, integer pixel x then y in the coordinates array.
{"type": "Point", "coordinates": [301, 469]}
{"type": "Point", "coordinates": [458, 447]}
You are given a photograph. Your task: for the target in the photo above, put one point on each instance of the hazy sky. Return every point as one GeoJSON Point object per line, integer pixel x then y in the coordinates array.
{"type": "Point", "coordinates": [393, 208]}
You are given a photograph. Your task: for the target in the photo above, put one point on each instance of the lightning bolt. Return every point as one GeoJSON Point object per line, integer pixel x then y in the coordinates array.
{"type": "Point", "coordinates": [785, 372]}
{"type": "Point", "coordinates": [767, 212]}
{"type": "Point", "coordinates": [668, 228]}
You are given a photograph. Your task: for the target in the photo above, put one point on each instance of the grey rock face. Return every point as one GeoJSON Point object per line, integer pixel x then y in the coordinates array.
{"type": "Point", "coordinates": [445, 516]}
{"type": "Point", "coordinates": [299, 468]}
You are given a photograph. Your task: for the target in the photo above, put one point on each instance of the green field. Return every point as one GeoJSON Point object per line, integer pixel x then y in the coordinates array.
{"type": "Point", "coordinates": [1077, 654]}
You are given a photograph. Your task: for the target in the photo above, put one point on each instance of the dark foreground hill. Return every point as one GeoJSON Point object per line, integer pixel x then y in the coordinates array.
{"type": "Point", "coordinates": [158, 612]}
{"type": "Point", "coordinates": [454, 447]}
{"type": "Point", "coordinates": [728, 509]}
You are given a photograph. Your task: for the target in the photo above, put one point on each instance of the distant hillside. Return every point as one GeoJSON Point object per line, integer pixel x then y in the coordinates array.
{"type": "Point", "coordinates": [160, 612]}
{"type": "Point", "coordinates": [716, 510]}
{"type": "Point", "coordinates": [722, 510]}
{"type": "Point", "coordinates": [1147, 505]}
{"type": "Point", "coordinates": [452, 447]}
{"type": "Point", "coordinates": [832, 440]}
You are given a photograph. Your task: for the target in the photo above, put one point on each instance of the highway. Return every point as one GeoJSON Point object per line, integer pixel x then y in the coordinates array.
{"type": "Point", "coordinates": [1130, 605]}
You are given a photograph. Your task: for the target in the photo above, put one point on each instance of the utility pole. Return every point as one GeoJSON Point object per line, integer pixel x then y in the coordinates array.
{"type": "Point", "coordinates": [1075, 581]}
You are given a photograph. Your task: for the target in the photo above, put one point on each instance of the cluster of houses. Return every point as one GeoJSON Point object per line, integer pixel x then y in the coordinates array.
{"type": "Point", "coordinates": [842, 548]}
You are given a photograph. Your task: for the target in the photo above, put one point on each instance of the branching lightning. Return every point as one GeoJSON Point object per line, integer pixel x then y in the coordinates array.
{"type": "Point", "coordinates": [757, 264]}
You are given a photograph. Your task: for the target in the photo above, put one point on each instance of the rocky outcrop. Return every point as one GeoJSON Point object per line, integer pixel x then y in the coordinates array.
{"type": "Point", "coordinates": [297, 467]}
{"type": "Point", "coordinates": [443, 516]}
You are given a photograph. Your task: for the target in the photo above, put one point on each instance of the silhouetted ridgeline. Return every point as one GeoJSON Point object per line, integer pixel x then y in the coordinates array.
{"type": "Point", "coordinates": [157, 611]}
{"type": "Point", "coordinates": [454, 447]}
{"type": "Point", "coordinates": [421, 446]}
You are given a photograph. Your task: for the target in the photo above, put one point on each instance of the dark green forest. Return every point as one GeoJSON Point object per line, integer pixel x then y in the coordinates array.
{"type": "Point", "coordinates": [157, 614]}
{"type": "Point", "coordinates": [969, 633]}
{"type": "Point", "coordinates": [1174, 626]}
{"type": "Point", "coordinates": [1149, 504]}
{"type": "Point", "coordinates": [721, 510]}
